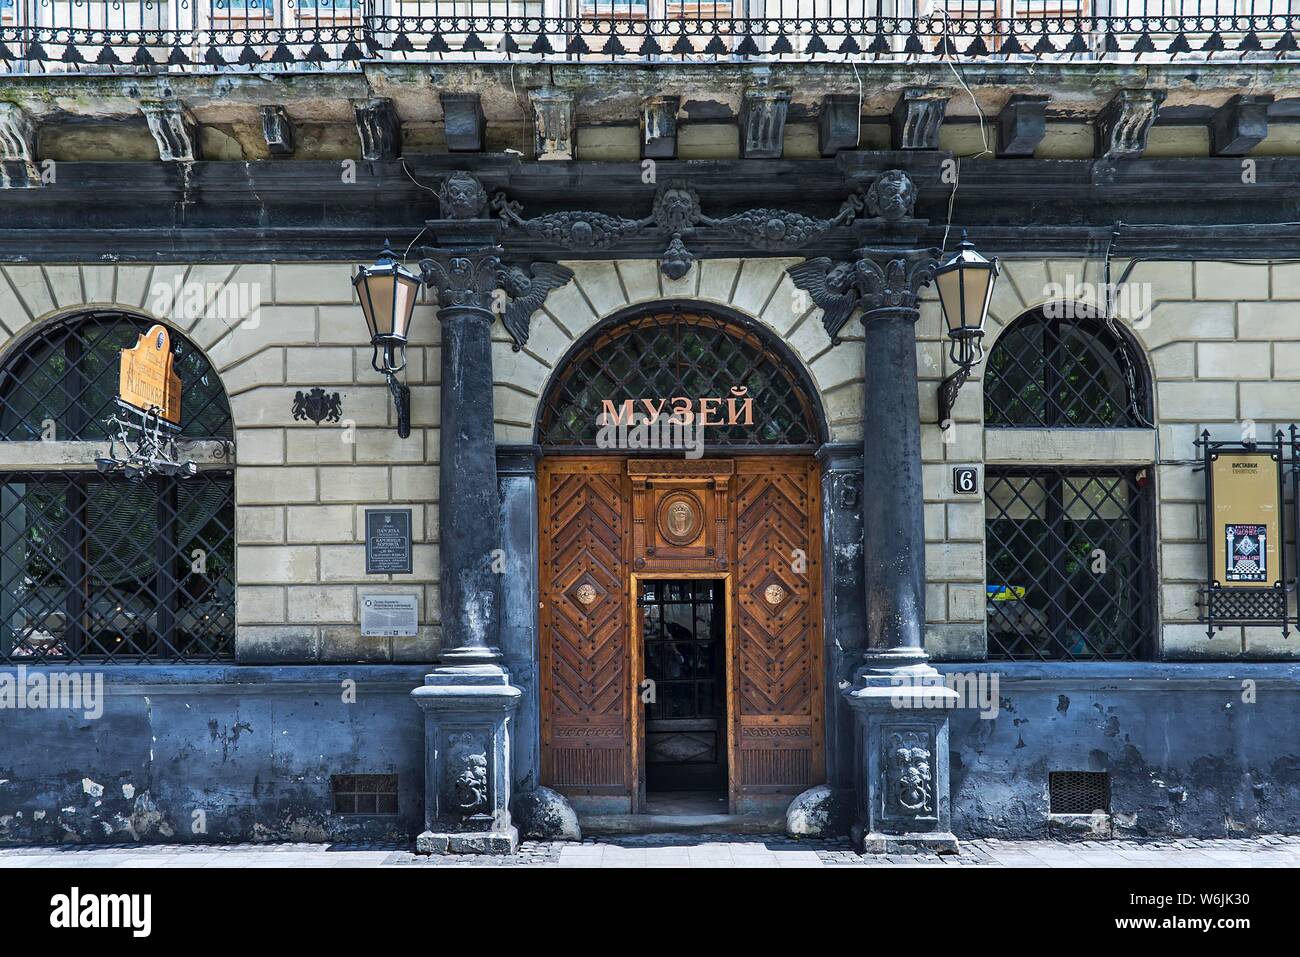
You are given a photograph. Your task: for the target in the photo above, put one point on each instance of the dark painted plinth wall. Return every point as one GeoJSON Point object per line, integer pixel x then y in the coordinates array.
{"type": "Point", "coordinates": [1186, 754]}
{"type": "Point", "coordinates": [251, 747]}
{"type": "Point", "coordinates": [254, 749]}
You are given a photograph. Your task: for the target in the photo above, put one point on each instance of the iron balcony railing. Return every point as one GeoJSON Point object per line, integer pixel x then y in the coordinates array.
{"type": "Point", "coordinates": [219, 35]}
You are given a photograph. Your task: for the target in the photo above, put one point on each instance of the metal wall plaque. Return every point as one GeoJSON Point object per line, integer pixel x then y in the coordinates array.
{"type": "Point", "coordinates": [147, 376]}
{"type": "Point", "coordinates": [389, 616]}
{"type": "Point", "coordinates": [388, 541]}
{"type": "Point", "coordinates": [1246, 524]}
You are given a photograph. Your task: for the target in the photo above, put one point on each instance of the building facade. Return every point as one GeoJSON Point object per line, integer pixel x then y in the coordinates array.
{"type": "Point", "coordinates": [833, 596]}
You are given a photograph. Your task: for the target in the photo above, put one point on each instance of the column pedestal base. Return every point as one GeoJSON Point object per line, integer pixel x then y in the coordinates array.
{"type": "Point", "coordinates": [876, 843]}
{"type": "Point", "coordinates": [901, 742]}
{"type": "Point", "coordinates": [469, 842]}
{"type": "Point", "coordinates": [467, 710]}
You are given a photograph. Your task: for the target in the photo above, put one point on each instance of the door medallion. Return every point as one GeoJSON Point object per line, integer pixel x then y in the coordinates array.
{"type": "Point", "coordinates": [681, 517]}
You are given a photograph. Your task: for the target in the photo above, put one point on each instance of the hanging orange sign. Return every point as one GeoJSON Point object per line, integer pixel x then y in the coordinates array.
{"type": "Point", "coordinates": [147, 379]}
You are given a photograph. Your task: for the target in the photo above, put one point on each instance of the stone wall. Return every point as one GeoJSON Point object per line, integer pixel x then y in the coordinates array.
{"type": "Point", "coordinates": [301, 488]}
{"type": "Point", "coordinates": [1219, 338]}
{"type": "Point", "coordinates": [1223, 349]}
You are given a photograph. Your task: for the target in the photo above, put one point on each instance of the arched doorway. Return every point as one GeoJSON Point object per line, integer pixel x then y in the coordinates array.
{"type": "Point", "coordinates": [679, 524]}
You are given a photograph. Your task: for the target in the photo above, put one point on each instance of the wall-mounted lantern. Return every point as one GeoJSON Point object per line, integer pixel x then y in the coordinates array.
{"type": "Point", "coordinates": [388, 291]}
{"type": "Point", "coordinates": [965, 283]}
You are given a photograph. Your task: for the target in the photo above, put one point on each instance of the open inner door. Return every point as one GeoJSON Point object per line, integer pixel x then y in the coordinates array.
{"type": "Point", "coordinates": [683, 641]}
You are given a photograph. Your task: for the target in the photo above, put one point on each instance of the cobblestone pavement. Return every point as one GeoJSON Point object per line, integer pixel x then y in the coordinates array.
{"type": "Point", "coordinates": [680, 850]}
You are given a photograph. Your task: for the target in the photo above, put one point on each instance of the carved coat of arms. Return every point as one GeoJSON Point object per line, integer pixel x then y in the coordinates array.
{"type": "Point", "coordinates": [317, 405]}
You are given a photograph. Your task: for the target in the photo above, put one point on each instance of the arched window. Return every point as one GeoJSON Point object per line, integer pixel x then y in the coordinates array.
{"type": "Point", "coordinates": [1068, 548]}
{"type": "Point", "coordinates": [102, 568]}
{"type": "Point", "coordinates": [669, 352]}
{"type": "Point", "coordinates": [1062, 367]}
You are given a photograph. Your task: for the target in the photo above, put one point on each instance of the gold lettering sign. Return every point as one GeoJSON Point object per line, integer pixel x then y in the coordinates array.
{"type": "Point", "coordinates": [1246, 524]}
{"type": "Point", "coordinates": [147, 379]}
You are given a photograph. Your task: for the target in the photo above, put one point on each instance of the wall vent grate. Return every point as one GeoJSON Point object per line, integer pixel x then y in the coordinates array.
{"type": "Point", "coordinates": [364, 793]}
{"type": "Point", "coordinates": [1079, 792]}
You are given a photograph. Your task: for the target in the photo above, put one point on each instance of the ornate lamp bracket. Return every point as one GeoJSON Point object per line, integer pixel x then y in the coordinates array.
{"type": "Point", "coordinates": [948, 389]}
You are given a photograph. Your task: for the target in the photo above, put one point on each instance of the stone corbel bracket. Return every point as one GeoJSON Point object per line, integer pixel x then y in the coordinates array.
{"type": "Point", "coordinates": [1123, 124]}
{"type": "Point", "coordinates": [918, 117]}
{"type": "Point", "coordinates": [18, 148]}
{"type": "Point", "coordinates": [174, 130]}
{"type": "Point", "coordinates": [277, 131]}
{"type": "Point", "coordinates": [380, 129]}
{"type": "Point", "coordinates": [552, 123]}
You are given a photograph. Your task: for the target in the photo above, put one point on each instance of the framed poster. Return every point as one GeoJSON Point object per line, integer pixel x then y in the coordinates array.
{"type": "Point", "coordinates": [1246, 518]}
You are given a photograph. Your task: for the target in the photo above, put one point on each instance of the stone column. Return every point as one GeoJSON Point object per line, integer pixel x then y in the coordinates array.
{"type": "Point", "coordinates": [900, 701]}
{"type": "Point", "coordinates": [467, 700]}
{"type": "Point", "coordinates": [517, 481]}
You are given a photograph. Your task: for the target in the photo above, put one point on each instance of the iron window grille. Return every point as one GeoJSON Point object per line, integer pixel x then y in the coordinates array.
{"type": "Point", "coordinates": [100, 568]}
{"type": "Point", "coordinates": [66, 376]}
{"type": "Point", "coordinates": [672, 353]}
{"type": "Point", "coordinates": [1049, 371]}
{"type": "Point", "coordinates": [1069, 566]}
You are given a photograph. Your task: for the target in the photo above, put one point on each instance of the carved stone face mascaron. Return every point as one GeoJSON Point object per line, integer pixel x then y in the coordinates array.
{"type": "Point", "coordinates": [892, 196]}
{"type": "Point", "coordinates": [462, 196]}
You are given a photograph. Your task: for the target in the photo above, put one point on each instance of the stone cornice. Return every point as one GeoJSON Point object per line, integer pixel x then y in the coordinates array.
{"type": "Point", "coordinates": [234, 212]}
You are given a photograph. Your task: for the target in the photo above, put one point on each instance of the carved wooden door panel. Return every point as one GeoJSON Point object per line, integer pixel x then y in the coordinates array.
{"type": "Point", "coordinates": [585, 660]}
{"type": "Point", "coordinates": [778, 679]}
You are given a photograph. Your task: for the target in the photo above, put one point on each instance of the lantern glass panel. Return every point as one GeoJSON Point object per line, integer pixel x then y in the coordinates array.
{"type": "Point", "coordinates": [406, 291]}
{"type": "Point", "coordinates": [382, 294]}
{"type": "Point", "coordinates": [951, 297]}
{"type": "Point", "coordinates": [977, 288]}
{"type": "Point", "coordinates": [361, 284]}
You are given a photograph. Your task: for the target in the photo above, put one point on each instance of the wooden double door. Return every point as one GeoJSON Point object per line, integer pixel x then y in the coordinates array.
{"type": "Point", "coordinates": [737, 540]}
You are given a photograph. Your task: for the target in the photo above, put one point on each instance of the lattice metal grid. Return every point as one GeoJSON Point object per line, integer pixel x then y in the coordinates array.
{"type": "Point", "coordinates": [1069, 564]}
{"type": "Point", "coordinates": [1078, 792]}
{"type": "Point", "coordinates": [364, 793]}
{"type": "Point", "coordinates": [675, 353]}
{"type": "Point", "coordinates": [1053, 372]}
{"type": "Point", "coordinates": [108, 570]}
{"type": "Point", "coordinates": [60, 384]}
